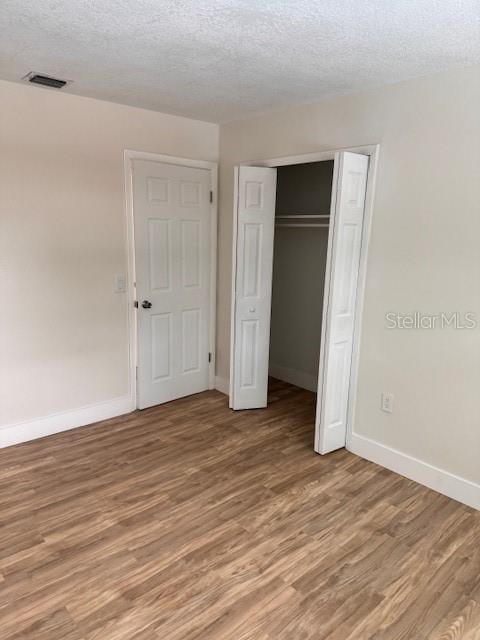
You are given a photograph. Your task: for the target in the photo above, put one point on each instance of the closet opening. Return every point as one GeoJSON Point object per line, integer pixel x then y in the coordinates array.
{"type": "Point", "coordinates": [300, 245]}
{"type": "Point", "coordinates": [301, 235]}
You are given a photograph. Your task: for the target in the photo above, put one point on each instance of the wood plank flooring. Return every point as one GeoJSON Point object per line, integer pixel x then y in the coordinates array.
{"type": "Point", "coordinates": [191, 522]}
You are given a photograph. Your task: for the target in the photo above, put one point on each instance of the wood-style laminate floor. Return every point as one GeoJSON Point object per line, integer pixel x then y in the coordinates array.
{"type": "Point", "coordinates": [191, 522]}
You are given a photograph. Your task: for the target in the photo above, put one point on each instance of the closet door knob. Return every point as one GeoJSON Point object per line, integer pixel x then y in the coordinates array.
{"type": "Point", "coordinates": [252, 309]}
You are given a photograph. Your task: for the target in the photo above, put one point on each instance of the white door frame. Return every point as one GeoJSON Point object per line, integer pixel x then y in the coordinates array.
{"type": "Point", "coordinates": [373, 151]}
{"type": "Point", "coordinates": [129, 156]}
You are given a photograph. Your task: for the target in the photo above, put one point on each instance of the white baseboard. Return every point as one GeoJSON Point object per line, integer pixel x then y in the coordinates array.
{"type": "Point", "coordinates": [437, 479]}
{"type": "Point", "coordinates": [298, 378]}
{"type": "Point", "coordinates": [222, 385]}
{"type": "Point", "coordinates": [293, 376]}
{"type": "Point", "coordinates": [57, 422]}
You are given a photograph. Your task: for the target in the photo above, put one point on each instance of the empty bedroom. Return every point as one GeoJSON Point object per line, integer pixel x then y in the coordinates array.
{"type": "Point", "coordinates": [240, 320]}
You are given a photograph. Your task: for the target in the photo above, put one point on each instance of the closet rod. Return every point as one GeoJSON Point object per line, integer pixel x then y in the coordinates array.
{"type": "Point", "coordinates": [317, 226]}
{"type": "Point", "coordinates": [306, 216]}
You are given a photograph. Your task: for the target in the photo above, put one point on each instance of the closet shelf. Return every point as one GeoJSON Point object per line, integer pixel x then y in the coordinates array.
{"type": "Point", "coordinates": [310, 217]}
{"type": "Point", "coordinates": [300, 224]}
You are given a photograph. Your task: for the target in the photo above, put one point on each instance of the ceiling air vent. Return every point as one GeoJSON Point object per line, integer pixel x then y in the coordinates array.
{"type": "Point", "coordinates": [45, 81]}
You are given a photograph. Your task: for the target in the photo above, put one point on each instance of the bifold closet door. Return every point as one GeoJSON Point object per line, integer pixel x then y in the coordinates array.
{"type": "Point", "coordinates": [252, 286]}
{"type": "Point", "coordinates": [343, 263]}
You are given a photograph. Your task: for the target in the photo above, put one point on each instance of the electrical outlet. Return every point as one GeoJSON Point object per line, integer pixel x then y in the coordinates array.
{"type": "Point", "coordinates": [387, 402]}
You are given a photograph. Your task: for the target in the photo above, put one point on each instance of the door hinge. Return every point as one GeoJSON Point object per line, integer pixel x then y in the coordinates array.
{"type": "Point", "coordinates": [211, 196]}
{"type": "Point", "coordinates": [209, 357]}
{"type": "Point", "coordinates": [135, 304]}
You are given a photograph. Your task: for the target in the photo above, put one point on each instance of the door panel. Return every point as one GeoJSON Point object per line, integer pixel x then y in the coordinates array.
{"type": "Point", "coordinates": [248, 341]}
{"type": "Point", "coordinates": [191, 345]}
{"type": "Point", "coordinates": [252, 260]}
{"type": "Point", "coordinates": [159, 240]}
{"type": "Point", "coordinates": [251, 299]}
{"type": "Point", "coordinates": [340, 300]}
{"type": "Point", "coordinates": [161, 333]}
{"type": "Point", "coordinates": [191, 272]}
{"type": "Point", "coordinates": [172, 255]}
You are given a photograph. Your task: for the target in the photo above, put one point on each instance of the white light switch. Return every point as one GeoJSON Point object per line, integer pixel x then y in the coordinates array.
{"type": "Point", "coordinates": [387, 402]}
{"type": "Point", "coordinates": [120, 283]}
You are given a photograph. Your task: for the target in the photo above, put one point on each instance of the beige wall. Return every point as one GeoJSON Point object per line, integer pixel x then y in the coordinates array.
{"type": "Point", "coordinates": [63, 330]}
{"type": "Point", "coordinates": [424, 254]}
{"type": "Point", "coordinates": [300, 258]}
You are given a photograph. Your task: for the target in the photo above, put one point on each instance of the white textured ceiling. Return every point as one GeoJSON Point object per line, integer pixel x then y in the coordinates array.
{"type": "Point", "coordinates": [224, 59]}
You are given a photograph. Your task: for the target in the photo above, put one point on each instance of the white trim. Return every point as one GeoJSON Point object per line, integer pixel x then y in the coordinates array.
{"type": "Point", "coordinates": [213, 271]}
{"type": "Point", "coordinates": [128, 156]}
{"type": "Point", "coordinates": [233, 294]}
{"type": "Point", "coordinates": [424, 473]}
{"type": "Point", "coordinates": [131, 277]}
{"type": "Point", "coordinates": [167, 159]}
{"type": "Point", "coordinates": [298, 378]}
{"type": "Point", "coordinates": [316, 156]}
{"type": "Point", "coordinates": [222, 385]}
{"type": "Point", "coordinates": [55, 423]}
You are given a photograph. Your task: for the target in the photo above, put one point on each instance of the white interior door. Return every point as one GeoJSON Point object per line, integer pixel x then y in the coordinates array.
{"type": "Point", "coordinates": [171, 205]}
{"type": "Point", "coordinates": [347, 214]}
{"type": "Point", "coordinates": [252, 286]}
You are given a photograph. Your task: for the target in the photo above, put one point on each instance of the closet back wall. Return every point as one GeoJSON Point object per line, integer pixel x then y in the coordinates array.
{"type": "Point", "coordinates": [63, 332]}
{"type": "Point", "coordinates": [299, 273]}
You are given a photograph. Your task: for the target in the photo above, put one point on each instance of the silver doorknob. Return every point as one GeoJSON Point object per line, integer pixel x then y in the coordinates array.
{"type": "Point", "coordinates": [252, 309]}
